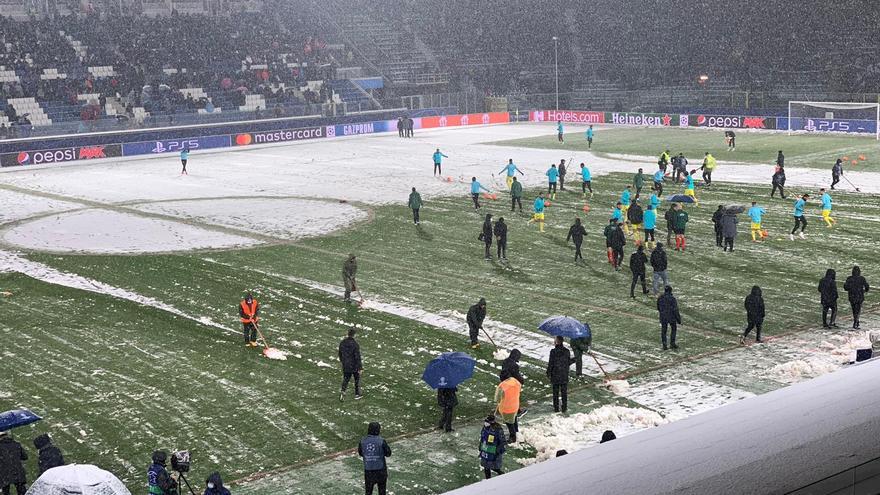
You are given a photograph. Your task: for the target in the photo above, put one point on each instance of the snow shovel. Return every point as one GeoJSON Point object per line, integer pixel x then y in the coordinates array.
{"type": "Point", "coordinates": [270, 352]}
{"type": "Point", "coordinates": [489, 337]}
{"type": "Point", "coordinates": [850, 183]}
{"type": "Point", "coordinates": [607, 376]}
{"type": "Point", "coordinates": [361, 303]}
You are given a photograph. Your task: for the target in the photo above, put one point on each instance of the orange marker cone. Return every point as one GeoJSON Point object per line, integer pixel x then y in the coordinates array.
{"type": "Point", "coordinates": [846, 158]}
{"type": "Point", "coordinates": [586, 208]}
{"type": "Point", "coordinates": [862, 157]}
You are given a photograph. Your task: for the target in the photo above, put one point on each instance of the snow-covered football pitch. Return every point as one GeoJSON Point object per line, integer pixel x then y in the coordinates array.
{"type": "Point", "coordinates": [122, 280]}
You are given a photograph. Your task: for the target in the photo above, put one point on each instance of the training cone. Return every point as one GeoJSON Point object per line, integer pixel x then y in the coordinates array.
{"type": "Point", "coordinates": [586, 208]}
{"type": "Point", "coordinates": [846, 158]}
{"type": "Point", "coordinates": [765, 234]}
{"type": "Point", "coordinates": [862, 157]}
{"type": "Point", "coordinates": [855, 162]}
{"type": "Point", "coordinates": [547, 203]}
{"type": "Point", "coordinates": [449, 179]}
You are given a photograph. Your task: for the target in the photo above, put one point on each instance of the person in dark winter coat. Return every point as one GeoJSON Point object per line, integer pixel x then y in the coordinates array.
{"type": "Point", "coordinates": [475, 316]}
{"type": "Point", "coordinates": [576, 233]}
{"type": "Point", "coordinates": [447, 399]}
{"type": "Point", "coordinates": [778, 182]}
{"type": "Point", "coordinates": [618, 240]}
{"type": "Point", "coordinates": [562, 172]}
{"type": "Point", "coordinates": [510, 367]}
{"type": "Point", "coordinates": [780, 159]}
{"type": "Point", "coordinates": [349, 276]}
{"type": "Point", "coordinates": [608, 436]}
{"type": "Point", "coordinates": [158, 479]}
{"type": "Point", "coordinates": [828, 295]}
{"type": "Point", "coordinates": [516, 194]}
{"type": "Point", "coordinates": [659, 263]}
{"type": "Point", "coordinates": [352, 366]}
{"type": "Point", "coordinates": [636, 217]}
{"type": "Point", "coordinates": [374, 449]}
{"type": "Point", "coordinates": [214, 485]}
{"type": "Point", "coordinates": [578, 348]}
{"type": "Point", "coordinates": [754, 305]}
{"type": "Point", "coordinates": [557, 371]}
{"type": "Point", "coordinates": [637, 263]}
{"type": "Point", "coordinates": [669, 216]}
{"type": "Point", "coordinates": [716, 222]}
{"type": "Point", "coordinates": [415, 204]}
{"type": "Point", "coordinates": [50, 455]}
{"type": "Point", "coordinates": [12, 471]}
{"type": "Point", "coordinates": [670, 318]}
{"type": "Point", "coordinates": [500, 231]}
{"type": "Point", "coordinates": [836, 172]}
{"type": "Point", "coordinates": [492, 447]}
{"type": "Point", "coordinates": [486, 235]}
{"type": "Point", "coordinates": [856, 286]}
{"type": "Point", "coordinates": [728, 229]}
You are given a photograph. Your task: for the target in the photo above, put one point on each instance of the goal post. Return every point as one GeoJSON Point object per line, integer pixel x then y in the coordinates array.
{"type": "Point", "coordinates": [832, 116]}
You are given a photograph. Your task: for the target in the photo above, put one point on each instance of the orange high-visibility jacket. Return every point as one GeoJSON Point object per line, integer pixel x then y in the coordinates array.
{"type": "Point", "coordinates": [248, 313]}
{"type": "Point", "coordinates": [510, 401]}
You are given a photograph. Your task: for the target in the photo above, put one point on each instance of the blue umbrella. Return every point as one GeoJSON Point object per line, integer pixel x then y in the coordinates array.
{"type": "Point", "coordinates": [563, 326]}
{"type": "Point", "coordinates": [449, 369]}
{"type": "Point", "coordinates": [680, 198]}
{"type": "Point", "coordinates": [17, 417]}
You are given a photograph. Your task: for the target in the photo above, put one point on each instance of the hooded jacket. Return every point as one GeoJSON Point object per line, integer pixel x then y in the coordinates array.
{"type": "Point", "coordinates": [856, 286]}
{"type": "Point", "coordinates": [637, 262]}
{"type": "Point", "coordinates": [658, 259]}
{"type": "Point", "coordinates": [487, 229]}
{"type": "Point", "coordinates": [350, 355]}
{"type": "Point", "coordinates": [728, 224]}
{"type": "Point", "coordinates": [559, 364]}
{"type": "Point", "coordinates": [754, 305]}
{"type": "Point", "coordinates": [501, 231]}
{"type": "Point", "coordinates": [618, 238]}
{"type": "Point", "coordinates": [476, 314]}
{"type": "Point", "coordinates": [576, 232]}
{"type": "Point", "coordinates": [50, 455]}
{"type": "Point", "coordinates": [716, 218]}
{"type": "Point", "coordinates": [374, 449]}
{"type": "Point", "coordinates": [510, 367]}
{"type": "Point", "coordinates": [635, 214]}
{"type": "Point", "coordinates": [667, 306]}
{"type": "Point", "coordinates": [218, 488]}
{"type": "Point", "coordinates": [447, 397]}
{"type": "Point", "coordinates": [11, 457]}
{"type": "Point", "coordinates": [828, 288]}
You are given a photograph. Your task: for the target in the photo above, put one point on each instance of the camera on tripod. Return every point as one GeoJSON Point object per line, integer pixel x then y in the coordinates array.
{"type": "Point", "coordinates": [180, 461]}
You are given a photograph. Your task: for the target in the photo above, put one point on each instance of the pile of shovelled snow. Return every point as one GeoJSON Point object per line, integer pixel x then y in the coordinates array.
{"type": "Point", "coordinates": [500, 354]}
{"type": "Point", "coordinates": [803, 369]}
{"type": "Point", "coordinates": [617, 386]}
{"type": "Point", "coordinates": [273, 353]}
{"type": "Point", "coordinates": [581, 430]}
{"type": "Point", "coordinates": [843, 347]}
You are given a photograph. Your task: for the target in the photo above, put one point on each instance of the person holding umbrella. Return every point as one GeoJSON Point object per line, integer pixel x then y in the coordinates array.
{"type": "Point", "coordinates": [557, 371]}
{"type": "Point", "coordinates": [445, 373]}
{"type": "Point", "coordinates": [679, 223]}
{"type": "Point", "coordinates": [579, 346]}
{"type": "Point", "coordinates": [12, 472]}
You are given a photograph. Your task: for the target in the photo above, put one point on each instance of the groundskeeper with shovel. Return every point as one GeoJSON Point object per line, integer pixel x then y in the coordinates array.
{"type": "Point", "coordinates": [249, 312]}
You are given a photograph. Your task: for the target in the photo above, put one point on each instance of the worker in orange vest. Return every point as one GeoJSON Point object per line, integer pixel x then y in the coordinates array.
{"type": "Point", "coordinates": [249, 311]}
{"type": "Point", "coordinates": [507, 405]}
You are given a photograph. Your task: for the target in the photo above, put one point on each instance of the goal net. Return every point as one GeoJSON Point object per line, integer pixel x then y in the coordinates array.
{"type": "Point", "coordinates": [830, 116]}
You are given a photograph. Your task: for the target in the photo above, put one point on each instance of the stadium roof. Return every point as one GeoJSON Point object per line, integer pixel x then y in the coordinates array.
{"type": "Point", "coordinates": [773, 443]}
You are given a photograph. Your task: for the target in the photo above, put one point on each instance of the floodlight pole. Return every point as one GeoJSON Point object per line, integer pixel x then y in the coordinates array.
{"type": "Point", "coordinates": [556, 65]}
